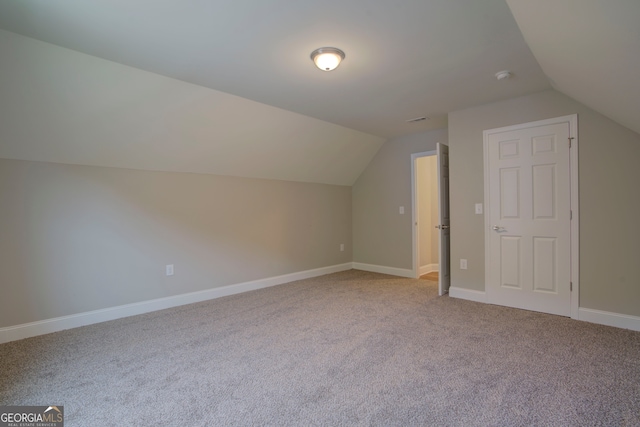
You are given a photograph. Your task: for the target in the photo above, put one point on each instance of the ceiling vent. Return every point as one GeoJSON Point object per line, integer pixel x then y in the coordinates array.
{"type": "Point", "coordinates": [417, 119]}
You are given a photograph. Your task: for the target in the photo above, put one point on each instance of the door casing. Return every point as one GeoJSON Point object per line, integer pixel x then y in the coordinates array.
{"type": "Point", "coordinates": [572, 121]}
{"type": "Point", "coordinates": [414, 209]}
{"type": "Point", "coordinates": [414, 198]}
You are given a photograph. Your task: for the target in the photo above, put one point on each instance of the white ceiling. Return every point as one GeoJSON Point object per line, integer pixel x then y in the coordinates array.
{"type": "Point", "coordinates": [404, 58]}
{"type": "Point", "coordinates": [58, 105]}
{"type": "Point", "coordinates": [227, 86]}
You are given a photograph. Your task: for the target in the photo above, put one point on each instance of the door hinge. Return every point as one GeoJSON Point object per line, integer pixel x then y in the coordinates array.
{"type": "Point", "coordinates": [570, 215]}
{"type": "Point", "coordinates": [570, 139]}
{"type": "Point", "coordinates": [570, 286]}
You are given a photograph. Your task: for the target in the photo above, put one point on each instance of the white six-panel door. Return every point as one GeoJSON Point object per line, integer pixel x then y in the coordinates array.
{"type": "Point", "coordinates": [529, 217]}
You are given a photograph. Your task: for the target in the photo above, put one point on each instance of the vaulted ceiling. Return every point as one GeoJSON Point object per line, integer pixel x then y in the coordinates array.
{"type": "Point", "coordinates": [228, 87]}
{"type": "Point", "coordinates": [589, 50]}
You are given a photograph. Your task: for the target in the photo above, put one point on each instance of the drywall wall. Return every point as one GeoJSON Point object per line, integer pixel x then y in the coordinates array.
{"type": "Point", "coordinates": [81, 238]}
{"type": "Point", "coordinates": [382, 236]}
{"type": "Point", "coordinates": [609, 197]}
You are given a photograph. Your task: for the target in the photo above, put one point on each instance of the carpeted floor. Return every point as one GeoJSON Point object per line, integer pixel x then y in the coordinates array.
{"type": "Point", "coordinates": [351, 348]}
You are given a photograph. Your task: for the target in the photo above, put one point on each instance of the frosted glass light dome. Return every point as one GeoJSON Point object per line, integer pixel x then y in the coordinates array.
{"type": "Point", "coordinates": [327, 58]}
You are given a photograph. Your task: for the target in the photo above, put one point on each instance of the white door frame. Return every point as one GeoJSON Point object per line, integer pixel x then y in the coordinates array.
{"type": "Point", "coordinates": [572, 120]}
{"type": "Point", "coordinates": [414, 205]}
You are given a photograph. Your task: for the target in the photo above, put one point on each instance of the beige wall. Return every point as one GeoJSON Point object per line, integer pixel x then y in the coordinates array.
{"type": "Point", "coordinates": [81, 238]}
{"type": "Point", "coordinates": [381, 236]}
{"type": "Point", "coordinates": [609, 197]}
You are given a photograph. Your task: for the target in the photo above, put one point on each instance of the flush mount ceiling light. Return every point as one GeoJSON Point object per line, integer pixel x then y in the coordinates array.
{"type": "Point", "coordinates": [327, 58]}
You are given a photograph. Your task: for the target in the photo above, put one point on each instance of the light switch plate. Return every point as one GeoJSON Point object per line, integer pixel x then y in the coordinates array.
{"type": "Point", "coordinates": [478, 208]}
{"type": "Point", "coordinates": [401, 210]}
{"type": "Point", "coordinates": [463, 264]}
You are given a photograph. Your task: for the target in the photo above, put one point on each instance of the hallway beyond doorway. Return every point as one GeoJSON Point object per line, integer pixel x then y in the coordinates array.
{"type": "Point", "coordinates": [430, 276]}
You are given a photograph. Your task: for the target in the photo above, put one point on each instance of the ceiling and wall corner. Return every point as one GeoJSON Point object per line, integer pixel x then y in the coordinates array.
{"type": "Point", "coordinates": [589, 50]}
{"type": "Point", "coordinates": [228, 87]}
{"type": "Point", "coordinates": [62, 106]}
{"type": "Point", "coordinates": [403, 58]}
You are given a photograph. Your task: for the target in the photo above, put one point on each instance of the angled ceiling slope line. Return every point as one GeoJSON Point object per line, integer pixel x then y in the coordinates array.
{"type": "Point", "coordinates": [439, 55]}
{"type": "Point", "coordinates": [589, 49]}
{"type": "Point", "coordinates": [59, 105]}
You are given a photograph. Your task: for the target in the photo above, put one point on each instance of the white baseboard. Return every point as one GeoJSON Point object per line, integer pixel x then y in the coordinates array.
{"type": "Point", "coordinates": [402, 272]}
{"type": "Point", "coordinates": [13, 333]}
{"type": "Point", "coordinates": [428, 269]}
{"type": "Point", "coordinates": [608, 318]}
{"type": "Point", "coordinates": [17, 332]}
{"type": "Point", "coordinates": [468, 294]}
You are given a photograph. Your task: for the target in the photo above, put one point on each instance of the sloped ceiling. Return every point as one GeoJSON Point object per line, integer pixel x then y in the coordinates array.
{"type": "Point", "coordinates": [227, 86]}
{"type": "Point", "coordinates": [589, 49]}
{"type": "Point", "coordinates": [58, 105]}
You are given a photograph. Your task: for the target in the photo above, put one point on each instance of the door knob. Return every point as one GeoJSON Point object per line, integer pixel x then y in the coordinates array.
{"type": "Point", "coordinates": [497, 228]}
{"type": "Point", "coordinates": [442, 227]}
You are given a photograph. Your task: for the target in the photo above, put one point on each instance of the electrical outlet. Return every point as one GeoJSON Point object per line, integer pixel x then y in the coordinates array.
{"type": "Point", "coordinates": [463, 264]}
{"type": "Point", "coordinates": [341, 247]}
{"type": "Point", "coordinates": [168, 269]}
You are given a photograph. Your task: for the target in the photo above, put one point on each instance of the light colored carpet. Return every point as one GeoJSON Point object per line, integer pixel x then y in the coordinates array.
{"type": "Point", "coordinates": [351, 348]}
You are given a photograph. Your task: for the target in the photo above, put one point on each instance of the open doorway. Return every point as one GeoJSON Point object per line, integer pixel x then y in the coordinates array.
{"type": "Point", "coordinates": [431, 233]}
{"type": "Point", "coordinates": [427, 235]}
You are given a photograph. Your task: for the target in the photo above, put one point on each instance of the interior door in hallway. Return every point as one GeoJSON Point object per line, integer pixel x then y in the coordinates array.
{"type": "Point", "coordinates": [444, 278]}
{"type": "Point", "coordinates": [529, 226]}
